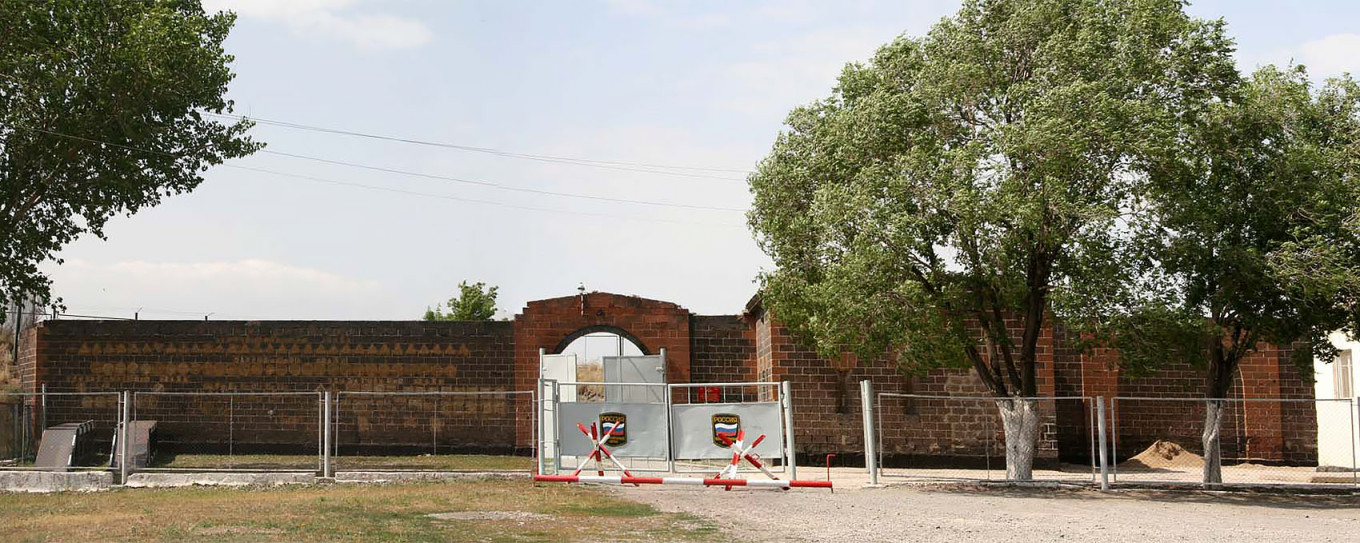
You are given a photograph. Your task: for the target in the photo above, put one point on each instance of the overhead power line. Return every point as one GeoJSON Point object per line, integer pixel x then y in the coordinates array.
{"type": "Point", "coordinates": [499, 186]}
{"type": "Point", "coordinates": [643, 167]}
{"type": "Point", "coordinates": [477, 201]}
{"type": "Point", "coordinates": [424, 175]}
{"type": "Point", "coordinates": [415, 192]}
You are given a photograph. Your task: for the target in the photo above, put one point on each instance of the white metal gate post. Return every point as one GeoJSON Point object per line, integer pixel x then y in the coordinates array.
{"type": "Point", "coordinates": [1100, 432]}
{"type": "Point", "coordinates": [123, 439]}
{"type": "Point", "coordinates": [328, 437]}
{"type": "Point", "coordinates": [791, 453]}
{"type": "Point", "coordinates": [670, 427]}
{"type": "Point", "coordinates": [866, 400]}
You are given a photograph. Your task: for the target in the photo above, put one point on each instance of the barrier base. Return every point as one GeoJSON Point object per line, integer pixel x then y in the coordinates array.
{"type": "Point", "coordinates": [692, 481]}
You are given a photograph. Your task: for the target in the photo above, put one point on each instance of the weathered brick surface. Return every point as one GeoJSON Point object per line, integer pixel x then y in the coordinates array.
{"type": "Point", "coordinates": [722, 349]}
{"type": "Point", "coordinates": [161, 358]}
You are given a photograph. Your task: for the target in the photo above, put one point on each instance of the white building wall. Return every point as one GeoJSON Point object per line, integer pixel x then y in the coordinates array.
{"type": "Point", "coordinates": [1338, 437]}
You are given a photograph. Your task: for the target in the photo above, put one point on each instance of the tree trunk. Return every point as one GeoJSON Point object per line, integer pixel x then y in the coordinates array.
{"type": "Point", "coordinates": [1213, 455]}
{"type": "Point", "coordinates": [1020, 420]}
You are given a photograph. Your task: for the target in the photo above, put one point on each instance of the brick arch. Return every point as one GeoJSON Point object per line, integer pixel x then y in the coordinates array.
{"type": "Point", "coordinates": [562, 345]}
{"type": "Point", "coordinates": [546, 324]}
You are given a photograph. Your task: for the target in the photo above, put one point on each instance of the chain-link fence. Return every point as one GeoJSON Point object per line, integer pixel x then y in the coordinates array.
{"type": "Point", "coordinates": [928, 438]}
{"type": "Point", "coordinates": [466, 430]}
{"type": "Point", "coordinates": [1276, 442]}
{"type": "Point", "coordinates": [226, 431]}
{"type": "Point", "coordinates": [58, 431]}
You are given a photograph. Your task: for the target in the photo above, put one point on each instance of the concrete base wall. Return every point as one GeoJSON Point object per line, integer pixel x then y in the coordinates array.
{"type": "Point", "coordinates": [41, 481]}
{"type": "Point", "coordinates": [171, 480]}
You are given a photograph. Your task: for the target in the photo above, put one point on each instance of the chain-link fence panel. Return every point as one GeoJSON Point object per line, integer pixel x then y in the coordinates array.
{"type": "Point", "coordinates": [226, 431]}
{"type": "Point", "coordinates": [467, 430]}
{"type": "Point", "coordinates": [926, 438]}
{"type": "Point", "coordinates": [1273, 442]}
{"type": "Point", "coordinates": [58, 431]}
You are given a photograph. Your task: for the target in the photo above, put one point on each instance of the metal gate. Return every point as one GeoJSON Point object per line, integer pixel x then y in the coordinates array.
{"type": "Point", "coordinates": [663, 427]}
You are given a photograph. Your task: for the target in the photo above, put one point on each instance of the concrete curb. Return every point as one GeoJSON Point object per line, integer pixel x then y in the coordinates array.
{"type": "Point", "coordinates": [405, 476]}
{"type": "Point", "coordinates": [44, 481]}
{"type": "Point", "coordinates": [172, 480]}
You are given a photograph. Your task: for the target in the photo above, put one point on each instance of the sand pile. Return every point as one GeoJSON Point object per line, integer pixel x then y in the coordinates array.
{"type": "Point", "coordinates": [1162, 455]}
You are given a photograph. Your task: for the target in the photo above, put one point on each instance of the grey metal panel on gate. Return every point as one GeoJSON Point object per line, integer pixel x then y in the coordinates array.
{"type": "Point", "coordinates": [634, 369]}
{"type": "Point", "coordinates": [694, 428]}
{"type": "Point", "coordinates": [645, 427]}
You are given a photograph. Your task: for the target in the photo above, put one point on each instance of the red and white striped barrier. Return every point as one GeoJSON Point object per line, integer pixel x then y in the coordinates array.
{"type": "Point", "coordinates": [693, 481]}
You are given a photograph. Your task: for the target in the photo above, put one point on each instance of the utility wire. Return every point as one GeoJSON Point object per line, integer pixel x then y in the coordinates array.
{"type": "Point", "coordinates": [431, 176]}
{"type": "Point", "coordinates": [474, 200]}
{"type": "Point", "coordinates": [608, 164]}
{"type": "Point", "coordinates": [499, 186]}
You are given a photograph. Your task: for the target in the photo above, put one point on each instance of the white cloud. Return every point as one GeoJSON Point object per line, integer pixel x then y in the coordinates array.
{"type": "Point", "coordinates": [251, 272]}
{"type": "Point", "coordinates": [1332, 55]}
{"type": "Point", "coordinates": [332, 19]}
{"type": "Point", "coordinates": [241, 289]}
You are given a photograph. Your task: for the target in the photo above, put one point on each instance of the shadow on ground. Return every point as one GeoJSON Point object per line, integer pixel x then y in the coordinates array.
{"type": "Point", "coordinates": [1273, 498]}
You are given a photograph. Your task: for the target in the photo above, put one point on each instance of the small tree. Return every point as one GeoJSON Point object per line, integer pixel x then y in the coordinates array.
{"type": "Point", "coordinates": [1251, 233]}
{"type": "Point", "coordinates": [101, 114]}
{"type": "Point", "coordinates": [955, 187]}
{"type": "Point", "coordinates": [474, 302]}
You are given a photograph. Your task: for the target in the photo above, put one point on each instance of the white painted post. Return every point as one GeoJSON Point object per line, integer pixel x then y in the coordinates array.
{"type": "Point", "coordinates": [792, 452]}
{"type": "Point", "coordinates": [123, 441]}
{"type": "Point", "coordinates": [670, 431]}
{"type": "Point", "coordinates": [328, 438]}
{"type": "Point", "coordinates": [866, 400]}
{"type": "Point", "coordinates": [1100, 436]}
{"type": "Point", "coordinates": [321, 431]}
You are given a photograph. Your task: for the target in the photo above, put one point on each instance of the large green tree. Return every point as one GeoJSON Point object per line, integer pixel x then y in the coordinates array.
{"type": "Point", "coordinates": [1250, 233]}
{"type": "Point", "coordinates": [948, 195]}
{"type": "Point", "coordinates": [474, 302]}
{"type": "Point", "coordinates": [101, 114]}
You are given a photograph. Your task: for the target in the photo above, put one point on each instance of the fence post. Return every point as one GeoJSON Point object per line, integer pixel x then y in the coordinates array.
{"type": "Point", "coordinates": [792, 452]}
{"type": "Point", "coordinates": [326, 436]}
{"type": "Point", "coordinates": [123, 439]}
{"type": "Point", "coordinates": [1100, 436]}
{"type": "Point", "coordinates": [42, 416]}
{"type": "Point", "coordinates": [670, 430]}
{"type": "Point", "coordinates": [866, 399]}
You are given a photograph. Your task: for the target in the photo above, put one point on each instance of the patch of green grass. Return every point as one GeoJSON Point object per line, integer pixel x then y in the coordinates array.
{"type": "Point", "coordinates": [341, 512]}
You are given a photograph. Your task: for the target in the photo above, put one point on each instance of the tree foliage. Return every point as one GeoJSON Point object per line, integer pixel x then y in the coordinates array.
{"type": "Point", "coordinates": [474, 302]}
{"type": "Point", "coordinates": [970, 181]}
{"type": "Point", "coordinates": [1251, 231]}
{"type": "Point", "coordinates": [101, 114]}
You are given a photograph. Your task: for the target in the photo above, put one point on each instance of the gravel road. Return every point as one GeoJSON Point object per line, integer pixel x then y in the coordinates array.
{"type": "Point", "coordinates": [1010, 514]}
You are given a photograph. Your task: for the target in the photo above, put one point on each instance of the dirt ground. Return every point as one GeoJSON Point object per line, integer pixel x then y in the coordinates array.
{"type": "Point", "coordinates": [954, 514]}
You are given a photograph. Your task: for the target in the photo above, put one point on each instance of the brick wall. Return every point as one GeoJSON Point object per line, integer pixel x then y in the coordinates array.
{"type": "Point", "coordinates": [167, 357]}
{"type": "Point", "coordinates": [162, 358]}
{"type": "Point", "coordinates": [722, 349]}
{"type": "Point", "coordinates": [1251, 430]}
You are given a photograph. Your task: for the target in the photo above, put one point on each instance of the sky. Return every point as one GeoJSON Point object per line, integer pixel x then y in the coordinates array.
{"type": "Point", "coordinates": [694, 90]}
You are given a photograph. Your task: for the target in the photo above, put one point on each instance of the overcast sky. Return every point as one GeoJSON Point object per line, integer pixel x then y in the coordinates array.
{"type": "Point", "coordinates": [696, 84]}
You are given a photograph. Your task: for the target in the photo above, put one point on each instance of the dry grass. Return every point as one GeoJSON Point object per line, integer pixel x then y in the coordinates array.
{"type": "Point", "coordinates": [515, 510]}
{"type": "Point", "coordinates": [459, 462]}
